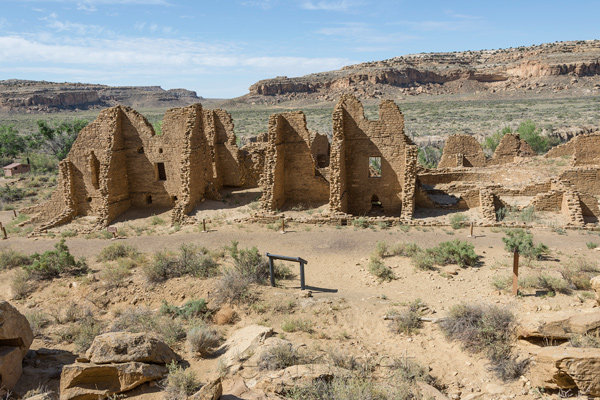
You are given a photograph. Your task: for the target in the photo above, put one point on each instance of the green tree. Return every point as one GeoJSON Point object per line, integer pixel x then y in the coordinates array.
{"type": "Point", "coordinates": [429, 156]}
{"type": "Point", "coordinates": [11, 144]}
{"type": "Point", "coordinates": [492, 141]}
{"type": "Point", "coordinates": [57, 139]}
{"type": "Point", "coordinates": [533, 136]}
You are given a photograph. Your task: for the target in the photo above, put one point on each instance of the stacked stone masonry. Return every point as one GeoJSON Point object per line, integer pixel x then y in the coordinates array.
{"type": "Point", "coordinates": [370, 168]}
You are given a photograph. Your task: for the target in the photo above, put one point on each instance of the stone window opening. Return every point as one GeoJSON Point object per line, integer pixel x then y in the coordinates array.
{"type": "Point", "coordinates": [160, 151]}
{"type": "Point", "coordinates": [173, 199]}
{"type": "Point", "coordinates": [374, 167]}
{"type": "Point", "coordinates": [148, 199]}
{"type": "Point", "coordinates": [140, 150]}
{"type": "Point", "coordinates": [161, 173]}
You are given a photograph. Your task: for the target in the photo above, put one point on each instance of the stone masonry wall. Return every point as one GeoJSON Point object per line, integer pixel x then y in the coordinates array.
{"type": "Point", "coordinates": [291, 174]}
{"type": "Point", "coordinates": [584, 148]}
{"type": "Point", "coordinates": [462, 151]}
{"type": "Point", "coordinates": [355, 140]}
{"type": "Point", "coordinates": [509, 149]}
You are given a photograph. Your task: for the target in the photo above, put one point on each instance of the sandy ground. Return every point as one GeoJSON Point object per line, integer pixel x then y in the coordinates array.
{"type": "Point", "coordinates": [348, 304]}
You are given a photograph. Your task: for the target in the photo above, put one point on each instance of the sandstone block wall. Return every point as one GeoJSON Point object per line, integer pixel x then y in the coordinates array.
{"type": "Point", "coordinates": [118, 162]}
{"type": "Point", "coordinates": [584, 148]}
{"type": "Point", "coordinates": [462, 151]}
{"type": "Point", "coordinates": [355, 140]}
{"type": "Point", "coordinates": [510, 148]}
{"type": "Point", "coordinates": [291, 174]}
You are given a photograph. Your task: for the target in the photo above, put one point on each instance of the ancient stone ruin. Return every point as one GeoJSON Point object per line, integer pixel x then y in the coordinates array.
{"type": "Point", "coordinates": [370, 168]}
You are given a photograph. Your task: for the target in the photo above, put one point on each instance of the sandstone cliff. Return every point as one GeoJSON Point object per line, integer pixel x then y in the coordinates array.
{"type": "Point", "coordinates": [548, 67]}
{"type": "Point", "coordinates": [20, 95]}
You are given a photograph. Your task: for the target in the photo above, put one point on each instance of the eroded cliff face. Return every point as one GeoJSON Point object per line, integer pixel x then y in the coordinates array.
{"type": "Point", "coordinates": [431, 72]}
{"type": "Point", "coordinates": [20, 95]}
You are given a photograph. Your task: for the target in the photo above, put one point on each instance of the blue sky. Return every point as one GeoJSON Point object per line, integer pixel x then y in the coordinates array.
{"type": "Point", "coordinates": [220, 47]}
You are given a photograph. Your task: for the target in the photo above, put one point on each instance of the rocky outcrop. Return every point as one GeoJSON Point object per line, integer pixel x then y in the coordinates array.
{"type": "Point", "coordinates": [559, 325]}
{"type": "Point", "coordinates": [119, 347]}
{"type": "Point", "coordinates": [120, 361]}
{"type": "Point", "coordinates": [211, 391]}
{"type": "Point", "coordinates": [522, 68]}
{"type": "Point", "coordinates": [242, 343]}
{"type": "Point", "coordinates": [298, 375]}
{"type": "Point", "coordinates": [85, 381]}
{"type": "Point", "coordinates": [21, 95]}
{"type": "Point", "coordinates": [567, 368]}
{"type": "Point", "coordinates": [15, 338]}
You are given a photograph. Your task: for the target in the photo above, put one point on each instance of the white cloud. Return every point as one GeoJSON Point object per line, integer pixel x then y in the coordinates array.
{"type": "Point", "coordinates": [87, 6]}
{"type": "Point", "coordinates": [343, 5]}
{"type": "Point", "coordinates": [93, 3]}
{"type": "Point", "coordinates": [55, 23]}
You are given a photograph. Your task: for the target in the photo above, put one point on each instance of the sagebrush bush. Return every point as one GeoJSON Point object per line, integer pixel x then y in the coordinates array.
{"type": "Point", "coordinates": [116, 251]}
{"type": "Point", "coordinates": [408, 320]}
{"type": "Point", "coordinates": [585, 340]}
{"type": "Point", "coordinates": [381, 249]}
{"type": "Point", "coordinates": [202, 339]}
{"type": "Point", "coordinates": [405, 249]}
{"type": "Point", "coordinates": [180, 382]}
{"type": "Point", "coordinates": [380, 270]}
{"type": "Point", "coordinates": [290, 324]}
{"type": "Point", "coordinates": [38, 320]}
{"type": "Point", "coordinates": [280, 356]}
{"type": "Point", "coordinates": [53, 263]}
{"type": "Point", "coordinates": [423, 261]}
{"type": "Point", "coordinates": [578, 273]}
{"type": "Point", "coordinates": [191, 309]}
{"type": "Point", "coordinates": [161, 267]}
{"type": "Point", "coordinates": [192, 260]}
{"type": "Point", "coordinates": [457, 221]}
{"type": "Point", "coordinates": [233, 287]}
{"type": "Point", "coordinates": [454, 252]}
{"type": "Point", "coordinates": [254, 266]}
{"type": "Point", "coordinates": [10, 258]}
{"type": "Point", "coordinates": [488, 329]}
{"type": "Point", "coordinates": [356, 388]}
{"type": "Point", "coordinates": [342, 360]}
{"type": "Point", "coordinates": [20, 284]}
{"type": "Point", "coordinates": [114, 275]}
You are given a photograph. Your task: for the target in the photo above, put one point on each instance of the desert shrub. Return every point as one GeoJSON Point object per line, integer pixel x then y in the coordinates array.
{"type": "Point", "coordinates": [10, 258]}
{"type": "Point", "coordinates": [38, 320]}
{"type": "Point", "coordinates": [160, 268]}
{"type": "Point", "coordinates": [202, 339]}
{"type": "Point", "coordinates": [591, 245]}
{"type": "Point", "coordinates": [116, 251]}
{"type": "Point", "coordinates": [191, 309]}
{"type": "Point", "coordinates": [225, 315]}
{"type": "Point", "coordinates": [381, 249]}
{"type": "Point", "coordinates": [254, 266]}
{"type": "Point", "coordinates": [20, 284]}
{"type": "Point", "coordinates": [457, 220]}
{"type": "Point", "coordinates": [354, 387]}
{"type": "Point", "coordinates": [423, 261]}
{"type": "Point", "coordinates": [552, 284]}
{"type": "Point", "coordinates": [85, 331]}
{"type": "Point", "coordinates": [408, 320]}
{"type": "Point", "coordinates": [197, 262]}
{"type": "Point", "coordinates": [180, 382]}
{"type": "Point", "coordinates": [233, 287]}
{"type": "Point", "coordinates": [380, 270]}
{"type": "Point", "coordinates": [10, 194]}
{"type": "Point", "coordinates": [411, 371]}
{"type": "Point", "coordinates": [53, 263]}
{"type": "Point", "coordinates": [585, 340]}
{"type": "Point", "coordinates": [523, 241]}
{"type": "Point", "coordinates": [280, 356]}
{"type": "Point", "coordinates": [114, 275]}
{"type": "Point", "coordinates": [405, 249]}
{"type": "Point", "coordinates": [46, 393]}
{"type": "Point", "coordinates": [578, 273]}
{"type": "Point", "coordinates": [69, 312]}
{"type": "Point", "coordinates": [296, 325]}
{"type": "Point", "coordinates": [492, 141]}
{"type": "Point", "coordinates": [454, 252]}
{"type": "Point", "coordinates": [533, 136]}
{"type": "Point", "coordinates": [487, 329]}
{"type": "Point", "coordinates": [342, 360]}
{"type": "Point", "coordinates": [361, 222]}
{"type": "Point", "coordinates": [144, 320]}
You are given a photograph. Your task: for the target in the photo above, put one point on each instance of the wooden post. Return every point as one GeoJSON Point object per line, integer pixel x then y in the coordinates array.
{"type": "Point", "coordinates": [15, 213]}
{"type": "Point", "coordinates": [282, 225]}
{"type": "Point", "coordinates": [471, 235]}
{"type": "Point", "coordinates": [302, 285]}
{"type": "Point", "coordinates": [4, 232]}
{"type": "Point", "coordinates": [516, 272]}
{"type": "Point", "coordinates": [204, 225]}
{"type": "Point", "coordinates": [272, 272]}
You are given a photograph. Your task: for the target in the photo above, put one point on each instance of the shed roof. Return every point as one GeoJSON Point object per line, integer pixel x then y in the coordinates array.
{"type": "Point", "coordinates": [9, 166]}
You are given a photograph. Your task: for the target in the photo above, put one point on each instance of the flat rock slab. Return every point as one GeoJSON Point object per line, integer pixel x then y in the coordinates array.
{"type": "Point", "coordinates": [567, 368]}
{"type": "Point", "coordinates": [10, 366]}
{"type": "Point", "coordinates": [242, 343]}
{"type": "Point", "coordinates": [297, 375]}
{"type": "Point", "coordinates": [86, 381]}
{"type": "Point", "coordinates": [120, 347]}
{"type": "Point", "coordinates": [15, 330]}
{"type": "Point", "coordinates": [559, 325]}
